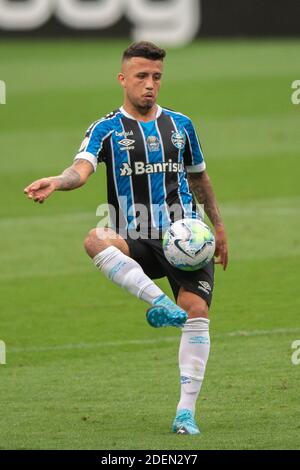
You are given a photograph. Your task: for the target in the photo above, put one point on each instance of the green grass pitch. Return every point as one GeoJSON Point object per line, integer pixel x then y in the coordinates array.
{"type": "Point", "coordinates": [84, 370]}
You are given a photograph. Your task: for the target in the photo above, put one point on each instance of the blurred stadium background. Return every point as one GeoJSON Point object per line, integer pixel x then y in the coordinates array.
{"type": "Point", "coordinates": [83, 370]}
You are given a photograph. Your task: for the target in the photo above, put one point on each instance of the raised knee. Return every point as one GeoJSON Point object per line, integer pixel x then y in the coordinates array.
{"type": "Point", "coordinates": [89, 241]}
{"type": "Point", "coordinates": [94, 242]}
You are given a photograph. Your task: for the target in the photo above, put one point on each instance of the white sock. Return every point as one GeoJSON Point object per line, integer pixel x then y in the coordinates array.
{"type": "Point", "coordinates": [193, 356]}
{"type": "Point", "coordinates": [127, 273]}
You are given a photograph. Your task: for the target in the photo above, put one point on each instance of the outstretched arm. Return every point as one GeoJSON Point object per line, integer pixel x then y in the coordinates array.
{"type": "Point", "coordinates": [72, 178]}
{"type": "Point", "coordinates": [201, 186]}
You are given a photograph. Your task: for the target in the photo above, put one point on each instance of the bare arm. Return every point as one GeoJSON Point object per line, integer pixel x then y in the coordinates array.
{"type": "Point", "coordinates": [201, 186]}
{"type": "Point", "coordinates": [72, 178]}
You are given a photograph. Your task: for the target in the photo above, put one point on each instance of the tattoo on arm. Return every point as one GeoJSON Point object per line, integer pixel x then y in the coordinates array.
{"type": "Point", "coordinates": [70, 178]}
{"type": "Point", "coordinates": [201, 187]}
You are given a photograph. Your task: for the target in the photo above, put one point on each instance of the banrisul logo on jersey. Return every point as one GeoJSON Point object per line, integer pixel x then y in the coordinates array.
{"type": "Point", "coordinates": [141, 168]}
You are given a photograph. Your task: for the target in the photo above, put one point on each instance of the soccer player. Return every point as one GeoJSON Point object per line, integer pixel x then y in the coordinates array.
{"type": "Point", "coordinates": [155, 170]}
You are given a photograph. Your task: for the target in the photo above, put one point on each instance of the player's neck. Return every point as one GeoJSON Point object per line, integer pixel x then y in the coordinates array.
{"type": "Point", "coordinates": [149, 115]}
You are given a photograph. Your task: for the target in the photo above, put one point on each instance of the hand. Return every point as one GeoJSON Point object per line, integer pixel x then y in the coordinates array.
{"type": "Point", "coordinates": [41, 189]}
{"type": "Point", "coordinates": [221, 252]}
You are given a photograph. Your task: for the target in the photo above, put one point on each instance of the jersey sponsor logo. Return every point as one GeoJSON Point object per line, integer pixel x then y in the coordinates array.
{"type": "Point", "coordinates": [126, 144]}
{"type": "Point", "coordinates": [125, 170]}
{"type": "Point", "coordinates": [178, 139]}
{"type": "Point", "coordinates": [141, 168]}
{"type": "Point", "coordinates": [153, 143]}
{"type": "Point", "coordinates": [123, 134]}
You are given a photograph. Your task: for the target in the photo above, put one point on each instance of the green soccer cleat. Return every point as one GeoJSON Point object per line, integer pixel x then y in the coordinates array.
{"type": "Point", "coordinates": [165, 313]}
{"type": "Point", "coordinates": [184, 423]}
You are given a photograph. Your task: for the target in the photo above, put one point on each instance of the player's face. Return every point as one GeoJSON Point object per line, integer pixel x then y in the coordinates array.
{"type": "Point", "coordinates": [141, 79]}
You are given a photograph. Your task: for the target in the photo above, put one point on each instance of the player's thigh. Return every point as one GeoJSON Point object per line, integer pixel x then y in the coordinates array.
{"type": "Point", "coordinates": [144, 254]}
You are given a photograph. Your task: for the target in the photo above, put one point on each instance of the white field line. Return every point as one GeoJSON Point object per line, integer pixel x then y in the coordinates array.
{"type": "Point", "coordinates": [168, 339]}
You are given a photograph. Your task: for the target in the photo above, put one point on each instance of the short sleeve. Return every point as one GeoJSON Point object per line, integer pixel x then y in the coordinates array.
{"type": "Point", "coordinates": [193, 155]}
{"type": "Point", "coordinates": [91, 148]}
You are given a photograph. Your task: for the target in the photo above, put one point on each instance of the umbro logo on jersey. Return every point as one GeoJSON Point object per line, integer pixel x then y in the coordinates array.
{"type": "Point", "coordinates": [141, 168]}
{"type": "Point", "coordinates": [126, 144]}
{"type": "Point", "coordinates": [205, 286]}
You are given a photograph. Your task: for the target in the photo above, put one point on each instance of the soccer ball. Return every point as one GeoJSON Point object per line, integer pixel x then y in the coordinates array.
{"type": "Point", "coordinates": [189, 244]}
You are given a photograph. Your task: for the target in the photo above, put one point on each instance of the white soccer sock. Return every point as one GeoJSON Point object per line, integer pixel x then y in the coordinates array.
{"type": "Point", "coordinates": [193, 356]}
{"type": "Point", "coordinates": [127, 273]}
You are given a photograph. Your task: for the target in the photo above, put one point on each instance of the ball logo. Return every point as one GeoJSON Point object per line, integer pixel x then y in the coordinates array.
{"type": "Point", "coordinates": [170, 22]}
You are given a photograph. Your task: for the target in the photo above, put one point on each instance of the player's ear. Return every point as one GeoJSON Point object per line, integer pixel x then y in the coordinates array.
{"type": "Point", "coordinates": [121, 78]}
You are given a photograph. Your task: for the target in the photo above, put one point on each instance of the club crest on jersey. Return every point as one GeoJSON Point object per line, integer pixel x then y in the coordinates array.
{"type": "Point", "coordinates": [126, 144]}
{"type": "Point", "coordinates": [153, 143]}
{"type": "Point", "coordinates": [178, 139]}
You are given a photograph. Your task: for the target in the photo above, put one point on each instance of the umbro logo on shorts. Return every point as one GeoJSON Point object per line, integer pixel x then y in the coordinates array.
{"type": "Point", "coordinates": [205, 286]}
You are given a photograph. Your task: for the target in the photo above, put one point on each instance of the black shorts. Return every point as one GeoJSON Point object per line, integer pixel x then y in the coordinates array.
{"type": "Point", "coordinates": [149, 254]}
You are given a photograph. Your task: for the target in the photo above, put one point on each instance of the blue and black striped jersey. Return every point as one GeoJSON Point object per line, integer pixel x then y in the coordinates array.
{"type": "Point", "coordinates": [147, 165]}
